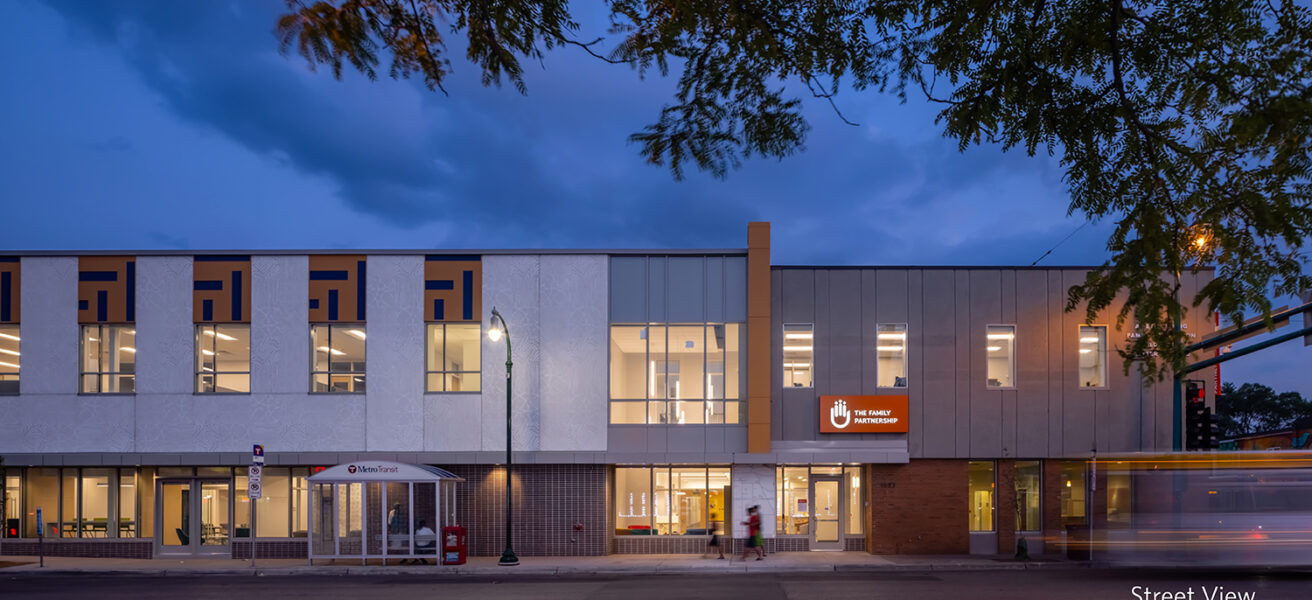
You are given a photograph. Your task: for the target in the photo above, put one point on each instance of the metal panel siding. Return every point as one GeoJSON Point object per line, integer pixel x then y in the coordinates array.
{"type": "Point", "coordinates": [656, 286]}
{"type": "Point", "coordinates": [715, 289]}
{"type": "Point", "coordinates": [964, 345]}
{"type": "Point", "coordinates": [843, 341]}
{"type": "Point", "coordinates": [687, 292]}
{"type": "Point", "coordinates": [1056, 301]}
{"type": "Point", "coordinates": [628, 289]}
{"type": "Point", "coordinates": [821, 367]}
{"type": "Point", "coordinates": [869, 321]}
{"type": "Point", "coordinates": [1030, 409]}
{"type": "Point", "coordinates": [1008, 398]}
{"type": "Point", "coordinates": [985, 404]}
{"type": "Point", "coordinates": [1080, 411]}
{"type": "Point", "coordinates": [735, 289]}
{"type": "Point", "coordinates": [798, 294]}
{"type": "Point", "coordinates": [939, 352]}
{"type": "Point", "coordinates": [626, 438]}
{"type": "Point", "coordinates": [776, 356]}
{"type": "Point", "coordinates": [915, 362]}
{"type": "Point", "coordinates": [686, 439]}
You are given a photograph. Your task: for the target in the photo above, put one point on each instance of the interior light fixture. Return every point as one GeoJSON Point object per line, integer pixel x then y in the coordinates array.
{"type": "Point", "coordinates": [1085, 350]}
{"type": "Point", "coordinates": [1000, 336]}
{"type": "Point", "coordinates": [11, 337]}
{"type": "Point", "coordinates": [128, 349]}
{"type": "Point", "coordinates": [9, 352]}
{"type": "Point", "coordinates": [356, 332]}
{"type": "Point", "coordinates": [333, 351]}
{"type": "Point", "coordinates": [797, 348]}
{"type": "Point", "coordinates": [132, 332]}
{"type": "Point", "coordinates": [893, 336]}
{"type": "Point", "coordinates": [1089, 340]}
{"type": "Point", "coordinates": [994, 348]}
{"type": "Point", "coordinates": [5, 364]}
{"type": "Point", "coordinates": [91, 339]}
{"type": "Point", "coordinates": [799, 336]}
{"type": "Point", "coordinates": [207, 352]}
{"type": "Point", "coordinates": [797, 365]}
{"type": "Point", "coordinates": [889, 348]}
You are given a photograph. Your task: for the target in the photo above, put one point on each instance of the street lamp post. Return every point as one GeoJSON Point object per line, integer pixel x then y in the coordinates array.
{"type": "Point", "coordinates": [494, 332]}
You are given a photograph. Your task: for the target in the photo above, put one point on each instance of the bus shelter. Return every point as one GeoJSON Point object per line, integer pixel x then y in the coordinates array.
{"type": "Point", "coordinates": [379, 510]}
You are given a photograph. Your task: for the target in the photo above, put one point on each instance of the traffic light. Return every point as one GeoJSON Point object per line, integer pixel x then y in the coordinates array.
{"type": "Point", "coordinates": [1197, 426]}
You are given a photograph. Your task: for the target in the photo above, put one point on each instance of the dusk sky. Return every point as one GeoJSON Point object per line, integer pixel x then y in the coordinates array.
{"type": "Point", "coordinates": [178, 125]}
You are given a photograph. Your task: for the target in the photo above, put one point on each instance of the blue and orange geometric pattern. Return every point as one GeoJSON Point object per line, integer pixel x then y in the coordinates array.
{"type": "Point", "coordinates": [10, 267]}
{"type": "Point", "coordinates": [106, 289]}
{"type": "Point", "coordinates": [453, 288]}
{"type": "Point", "coordinates": [221, 289]}
{"type": "Point", "coordinates": [337, 288]}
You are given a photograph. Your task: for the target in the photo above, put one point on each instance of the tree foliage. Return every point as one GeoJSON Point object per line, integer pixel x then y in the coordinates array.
{"type": "Point", "coordinates": [1255, 408]}
{"type": "Point", "coordinates": [1186, 122]}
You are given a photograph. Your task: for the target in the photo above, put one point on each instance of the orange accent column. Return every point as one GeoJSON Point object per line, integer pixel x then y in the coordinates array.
{"type": "Point", "coordinates": [758, 337]}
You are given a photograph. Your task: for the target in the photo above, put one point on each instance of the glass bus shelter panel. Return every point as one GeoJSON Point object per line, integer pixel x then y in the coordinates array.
{"type": "Point", "coordinates": [350, 506]}
{"type": "Point", "coordinates": [374, 512]}
{"type": "Point", "coordinates": [321, 514]}
{"type": "Point", "coordinates": [399, 517]}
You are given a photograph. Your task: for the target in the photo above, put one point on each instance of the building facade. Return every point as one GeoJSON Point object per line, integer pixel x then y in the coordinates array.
{"type": "Point", "coordinates": [656, 396]}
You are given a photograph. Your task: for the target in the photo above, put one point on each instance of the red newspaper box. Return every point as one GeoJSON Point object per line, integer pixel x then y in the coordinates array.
{"type": "Point", "coordinates": [453, 545]}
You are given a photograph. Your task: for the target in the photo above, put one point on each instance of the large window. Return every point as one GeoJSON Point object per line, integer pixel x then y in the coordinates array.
{"type": "Point", "coordinates": [670, 500]}
{"type": "Point", "coordinates": [891, 355]}
{"type": "Point", "coordinates": [1119, 504]}
{"type": "Point", "coordinates": [338, 357]}
{"type": "Point", "coordinates": [1093, 356]}
{"type": "Point", "coordinates": [109, 359]}
{"type": "Point", "coordinates": [1001, 355]}
{"type": "Point", "coordinates": [1029, 490]}
{"type": "Point", "coordinates": [675, 374]}
{"type": "Point", "coordinates": [454, 357]}
{"type": "Point", "coordinates": [793, 494]}
{"type": "Point", "coordinates": [981, 495]}
{"type": "Point", "coordinates": [13, 508]}
{"type": "Point", "coordinates": [799, 350]}
{"type": "Point", "coordinates": [1073, 486]}
{"type": "Point", "coordinates": [9, 359]}
{"type": "Point", "coordinates": [223, 359]}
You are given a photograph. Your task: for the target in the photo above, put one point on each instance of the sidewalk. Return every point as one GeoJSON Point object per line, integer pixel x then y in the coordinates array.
{"type": "Point", "coordinates": [631, 564]}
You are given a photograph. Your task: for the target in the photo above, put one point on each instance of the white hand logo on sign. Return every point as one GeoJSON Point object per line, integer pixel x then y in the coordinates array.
{"type": "Point", "coordinates": [839, 411]}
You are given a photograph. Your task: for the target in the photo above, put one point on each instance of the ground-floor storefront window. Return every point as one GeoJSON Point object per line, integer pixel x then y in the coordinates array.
{"type": "Point", "coordinates": [795, 500]}
{"type": "Point", "coordinates": [1074, 486]}
{"type": "Point", "coordinates": [1029, 493]}
{"type": "Point", "coordinates": [666, 500]}
{"type": "Point", "coordinates": [982, 486]}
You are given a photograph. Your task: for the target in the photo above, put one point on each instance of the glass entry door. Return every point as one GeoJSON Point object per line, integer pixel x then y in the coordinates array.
{"type": "Point", "coordinates": [826, 513]}
{"type": "Point", "coordinates": [193, 516]}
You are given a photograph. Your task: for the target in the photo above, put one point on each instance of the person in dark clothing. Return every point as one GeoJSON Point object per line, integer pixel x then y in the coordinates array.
{"type": "Point", "coordinates": [713, 545]}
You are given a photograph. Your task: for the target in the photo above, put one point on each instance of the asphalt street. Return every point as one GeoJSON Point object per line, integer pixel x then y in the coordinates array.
{"type": "Point", "coordinates": [1082, 584]}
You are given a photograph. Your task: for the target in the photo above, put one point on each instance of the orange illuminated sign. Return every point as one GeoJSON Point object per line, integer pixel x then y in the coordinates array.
{"type": "Point", "coordinates": [863, 414]}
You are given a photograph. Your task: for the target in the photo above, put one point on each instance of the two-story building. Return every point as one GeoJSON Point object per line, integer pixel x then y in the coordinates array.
{"type": "Point", "coordinates": [656, 396]}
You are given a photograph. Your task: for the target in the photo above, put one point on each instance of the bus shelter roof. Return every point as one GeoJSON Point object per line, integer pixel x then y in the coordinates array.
{"type": "Point", "coordinates": [379, 470]}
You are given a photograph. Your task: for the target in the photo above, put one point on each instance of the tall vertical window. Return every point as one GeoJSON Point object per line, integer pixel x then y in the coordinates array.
{"type": "Point", "coordinates": [13, 510]}
{"type": "Point", "coordinates": [855, 504]}
{"type": "Point", "coordinates": [1119, 504]}
{"type": "Point", "coordinates": [981, 495]}
{"type": "Point", "coordinates": [1029, 491]}
{"type": "Point", "coordinates": [109, 359]}
{"type": "Point", "coordinates": [454, 357]}
{"type": "Point", "coordinates": [1000, 349]}
{"type": "Point", "coordinates": [1073, 511]}
{"type": "Point", "coordinates": [223, 359]}
{"type": "Point", "coordinates": [1093, 356]}
{"type": "Point", "coordinates": [799, 349]}
{"type": "Point", "coordinates": [891, 355]}
{"type": "Point", "coordinates": [338, 364]}
{"type": "Point", "coordinates": [674, 374]}
{"type": "Point", "coordinates": [9, 359]}
{"type": "Point", "coordinates": [792, 516]}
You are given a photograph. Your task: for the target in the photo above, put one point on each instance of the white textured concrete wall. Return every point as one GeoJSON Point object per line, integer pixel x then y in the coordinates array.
{"type": "Point", "coordinates": [510, 284]}
{"type": "Point", "coordinates": [166, 335]}
{"type": "Point", "coordinates": [394, 353]}
{"type": "Point", "coordinates": [753, 485]}
{"type": "Point", "coordinates": [49, 416]}
{"type": "Point", "coordinates": [573, 400]}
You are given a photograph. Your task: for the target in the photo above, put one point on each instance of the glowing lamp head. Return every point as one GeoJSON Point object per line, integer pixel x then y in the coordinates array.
{"type": "Point", "coordinates": [494, 333]}
{"type": "Point", "coordinates": [496, 326]}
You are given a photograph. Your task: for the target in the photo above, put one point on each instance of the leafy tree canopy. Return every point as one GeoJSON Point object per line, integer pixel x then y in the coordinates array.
{"type": "Point", "coordinates": [1255, 408]}
{"type": "Point", "coordinates": [1186, 122]}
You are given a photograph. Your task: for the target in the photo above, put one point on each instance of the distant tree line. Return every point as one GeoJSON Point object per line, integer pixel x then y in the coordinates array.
{"type": "Point", "coordinates": [1255, 408]}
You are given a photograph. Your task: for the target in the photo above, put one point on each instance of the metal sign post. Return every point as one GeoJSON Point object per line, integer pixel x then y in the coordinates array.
{"type": "Point", "coordinates": [253, 491]}
{"type": "Point", "coordinates": [40, 538]}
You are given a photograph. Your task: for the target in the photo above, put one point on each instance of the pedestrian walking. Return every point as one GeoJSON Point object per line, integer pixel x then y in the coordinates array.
{"type": "Point", "coordinates": [754, 541]}
{"type": "Point", "coordinates": [713, 545]}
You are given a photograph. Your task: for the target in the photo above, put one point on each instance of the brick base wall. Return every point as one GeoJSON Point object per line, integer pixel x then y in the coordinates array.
{"type": "Point", "coordinates": [918, 508]}
{"type": "Point", "coordinates": [272, 549]}
{"type": "Point", "coordinates": [547, 501]}
{"type": "Point", "coordinates": [664, 544]}
{"type": "Point", "coordinates": [82, 548]}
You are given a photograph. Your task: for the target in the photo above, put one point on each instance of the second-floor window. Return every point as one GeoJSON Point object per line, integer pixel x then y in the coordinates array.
{"type": "Point", "coordinates": [9, 359]}
{"type": "Point", "coordinates": [109, 359]}
{"type": "Point", "coordinates": [891, 355]}
{"type": "Point", "coordinates": [1093, 356]}
{"type": "Point", "coordinates": [675, 374]}
{"type": "Point", "coordinates": [338, 363]}
{"type": "Point", "coordinates": [799, 349]}
{"type": "Point", "coordinates": [223, 358]}
{"type": "Point", "coordinates": [454, 357]}
{"type": "Point", "coordinates": [1000, 341]}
